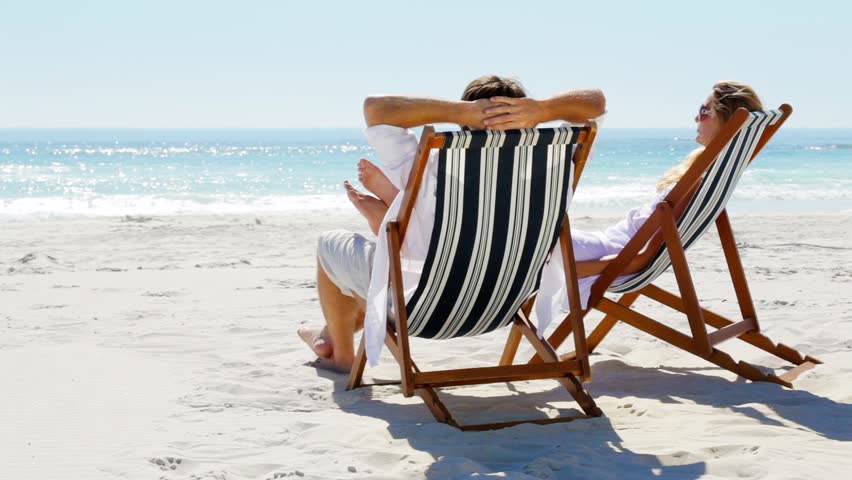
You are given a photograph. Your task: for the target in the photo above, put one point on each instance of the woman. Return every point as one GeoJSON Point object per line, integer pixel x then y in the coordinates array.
{"type": "Point", "coordinates": [725, 98]}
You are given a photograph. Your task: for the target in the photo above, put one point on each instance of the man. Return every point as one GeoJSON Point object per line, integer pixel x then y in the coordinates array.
{"type": "Point", "coordinates": [346, 261]}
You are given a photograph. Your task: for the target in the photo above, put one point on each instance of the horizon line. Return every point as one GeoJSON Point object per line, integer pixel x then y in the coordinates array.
{"type": "Point", "coordinates": [348, 128]}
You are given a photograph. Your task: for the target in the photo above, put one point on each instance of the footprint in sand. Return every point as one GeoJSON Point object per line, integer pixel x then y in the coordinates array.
{"type": "Point", "coordinates": [842, 277]}
{"type": "Point", "coordinates": [633, 411]}
{"type": "Point", "coordinates": [242, 262]}
{"type": "Point", "coordinates": [161, 294]}
{"type": "Point", "coordinates": [293, 283]}
{"type": "Point", "coordinates": [167, 463]}
{"type": "Point", "coordinates": [277, 475]}
{"type": "Point", "coordinates": [136, 219]}
{"type": "Point", "coordinates": [110, 269]}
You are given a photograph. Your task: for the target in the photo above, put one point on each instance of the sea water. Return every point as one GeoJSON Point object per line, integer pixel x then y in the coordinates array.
{"type": "Point", "coordinates": [56, 173]}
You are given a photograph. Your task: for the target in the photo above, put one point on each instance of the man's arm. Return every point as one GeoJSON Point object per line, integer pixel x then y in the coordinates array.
{"type": "Point", "coordinates": [405, 112]}
{"type": "Point", "coordinates": [574, 106]}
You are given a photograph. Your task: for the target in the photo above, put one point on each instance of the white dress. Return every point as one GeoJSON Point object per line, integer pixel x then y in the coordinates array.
{"type": "Point", "coordinates": [552, 294]}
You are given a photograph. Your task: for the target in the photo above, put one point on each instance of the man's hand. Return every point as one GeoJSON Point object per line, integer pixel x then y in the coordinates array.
{"type": "Point", "coordinates": [510, 113]}
{"type": "Point", "coordinates": [475, 113]}
{"type": "Point", "coordinates": [573, 106]}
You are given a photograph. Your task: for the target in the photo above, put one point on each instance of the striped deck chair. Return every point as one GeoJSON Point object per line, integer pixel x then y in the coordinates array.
{"type": "Point", "coordinates": [694, 204]}
{"type": "Point", "coordinates": [500, 208]}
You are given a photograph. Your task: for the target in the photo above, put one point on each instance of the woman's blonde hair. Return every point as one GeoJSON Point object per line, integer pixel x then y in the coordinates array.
{"type": "Point", "coordinates": [728, 96]}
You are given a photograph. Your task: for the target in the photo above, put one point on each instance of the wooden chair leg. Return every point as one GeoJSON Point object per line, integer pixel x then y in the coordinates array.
{"type": "Point", "coordinates": [357, 373]}
{"type": "Point", "coordinates": [511, 347]}
{"type": "Point", "coordinates": [684, 281]}
{"type": "Point", "coordinates": [395, 287]}
{"type": "Point", "coordinates": [430, 397]}
{"type": "Point", "coordinates": [756, 339]}
{"type": "Point", "coordinates": [608, 322]}
{"type": "Point", "coordinates": [602, 329]}
{"type": "Point", "coordinates": [514, 339]}
{"type": "Point", "coordinates": [735, 267]}
{"type": "Point", "coordinates": [576, 314]}
{"type": "Point", "coordinates": [685, 342]}
{"type": "Point", "coordinates": [571, 383]}
{"type": "Point", "coordinates": [436, 406]}
{"type": "Point", "coordinates": [562, 332]}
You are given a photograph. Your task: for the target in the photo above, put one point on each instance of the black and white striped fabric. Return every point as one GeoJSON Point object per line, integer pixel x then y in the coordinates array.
{"type": "Point", "coordinates": [501, 197]}
{"type": "Point", "coordinates": [711, 197]}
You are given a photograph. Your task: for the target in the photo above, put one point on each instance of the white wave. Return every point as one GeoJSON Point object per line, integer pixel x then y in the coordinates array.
{"type": "Point", "coordinates": [119, 205]}
{"type": "Point", "coordinates": [786, 192]}
{"type": "Point", "coordinates": [188, 149]}
{"type": "Point", "coordinates": [615, 197]}
{"type": "Point", "coordinates": [747, 196]}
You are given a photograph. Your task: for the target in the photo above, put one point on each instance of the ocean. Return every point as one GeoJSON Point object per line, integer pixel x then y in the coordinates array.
{"type": "Point", "coordinates": [107, 172]}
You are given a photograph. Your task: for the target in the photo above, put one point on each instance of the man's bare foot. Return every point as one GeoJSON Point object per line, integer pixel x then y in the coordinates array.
{"type": "Point", "coordinates": [333, 364]}
{"type": "Point", "coordinates": [375, 181]}
{"type": "Point", "coordinates": [370, 207]}
{"type": "Point", "coordinates": [317, 339]}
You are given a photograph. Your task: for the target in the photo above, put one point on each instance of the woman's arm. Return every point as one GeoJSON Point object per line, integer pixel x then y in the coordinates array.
{"type": "Point", "coordinates": [588, 268]}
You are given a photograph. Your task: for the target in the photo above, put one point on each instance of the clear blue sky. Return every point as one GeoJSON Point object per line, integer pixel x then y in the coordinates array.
{"type": "Point", "coordinates": [249, 63]}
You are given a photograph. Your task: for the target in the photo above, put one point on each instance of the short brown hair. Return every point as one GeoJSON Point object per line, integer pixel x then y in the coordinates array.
{"type": "Point", "coordinates": [493, 86]}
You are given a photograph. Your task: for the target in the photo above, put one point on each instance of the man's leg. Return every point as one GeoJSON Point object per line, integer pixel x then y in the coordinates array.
{"type": "Point", "coordinates": [343, 316]}
{"type": "Point", "coordinates": [370, 207]}
{"type": "Point", "coordinates": [317, 338]}
{"type": "Point", "coordinates": [375, 181]}
{"type": "Point", "coordinates": [344, 261]}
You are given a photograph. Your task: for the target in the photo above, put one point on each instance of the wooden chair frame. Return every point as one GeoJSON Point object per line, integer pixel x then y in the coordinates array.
{"type": "Point", "coordinates": [660, 230]}
{"type": "Point", "coordinates": [425, 383]}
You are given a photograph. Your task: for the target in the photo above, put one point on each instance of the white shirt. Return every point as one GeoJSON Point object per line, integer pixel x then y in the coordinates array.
{"type": "Point", "coordinates": [396, 148]}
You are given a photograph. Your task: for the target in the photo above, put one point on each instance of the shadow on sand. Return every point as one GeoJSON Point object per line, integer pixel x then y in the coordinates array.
{"type": "Point", "coordinates": [579, 449]}
{"type": "Point", "coordinates": [821, 415]}
{"type": "Point", "coordinates": [588, 448]}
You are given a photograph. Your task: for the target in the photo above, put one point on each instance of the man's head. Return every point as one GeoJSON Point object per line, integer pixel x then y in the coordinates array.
{"type": "Point", "coordinates": [493, 86]}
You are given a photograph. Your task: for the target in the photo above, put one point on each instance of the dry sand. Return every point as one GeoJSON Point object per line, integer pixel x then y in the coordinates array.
{"type": "Point", "coordinates": [165, 348]}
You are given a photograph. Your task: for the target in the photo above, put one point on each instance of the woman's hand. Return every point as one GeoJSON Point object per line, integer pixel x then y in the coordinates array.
{"type": "Point", "coordinates": [511, 113]}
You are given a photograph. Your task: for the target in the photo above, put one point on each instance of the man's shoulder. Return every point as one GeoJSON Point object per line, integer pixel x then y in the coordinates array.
{"type": "Point", "coordinates": [383, 130]}
{"type": "Point", "coordinates": [389, 135]}
{"type": "Point", "coordinates": [391, 143]}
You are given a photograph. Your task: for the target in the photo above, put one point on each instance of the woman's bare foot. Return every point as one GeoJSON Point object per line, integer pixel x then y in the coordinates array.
{"type": "Point", "coordinates": [375, 181]}
{"type": "Point", "coordinates": [317, 338]}
{"type": "Point", "coordinates": [370, 207]}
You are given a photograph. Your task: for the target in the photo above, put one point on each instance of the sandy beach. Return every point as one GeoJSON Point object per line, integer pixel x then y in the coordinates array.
{"type": "Point", "coordinates": [165, 347]}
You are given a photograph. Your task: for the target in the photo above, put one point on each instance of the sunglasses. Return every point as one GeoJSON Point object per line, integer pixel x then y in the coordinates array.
{"type": "Point", "coordinates": [703, 113]}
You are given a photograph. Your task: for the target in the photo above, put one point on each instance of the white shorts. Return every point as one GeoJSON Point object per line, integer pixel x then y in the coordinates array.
{"type": "Point", "coordinates": [347, 259]}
